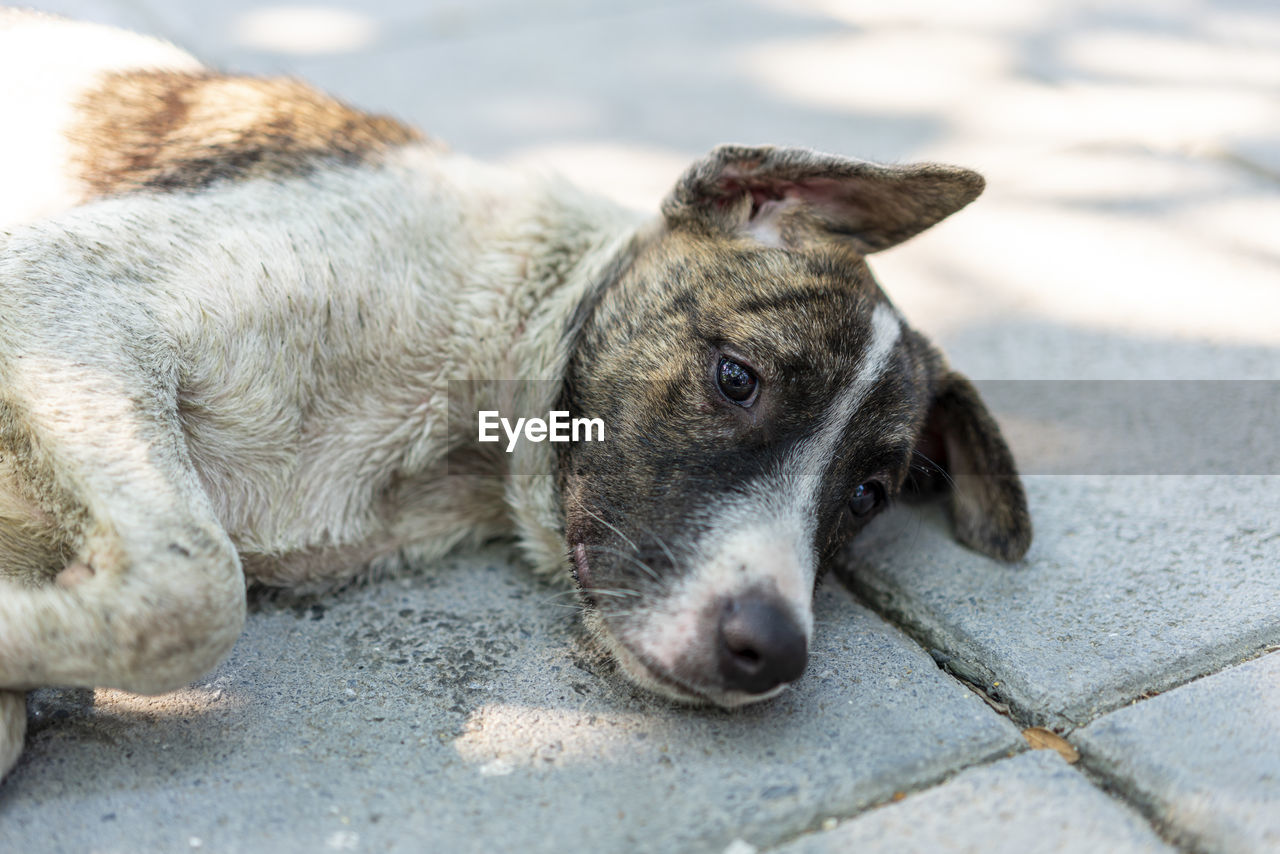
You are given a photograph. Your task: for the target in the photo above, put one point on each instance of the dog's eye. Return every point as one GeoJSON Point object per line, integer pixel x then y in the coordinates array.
{"type": "Point", "coordinates": [736, 382]}
{"type": "Point", "coordinates": [867, 498]}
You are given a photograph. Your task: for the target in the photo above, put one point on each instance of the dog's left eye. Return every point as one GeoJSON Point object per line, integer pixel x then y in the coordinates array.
{"type": "Point", "coordinates": [736, 382]}
{"type": "Point", "coordinates": [867, 498]}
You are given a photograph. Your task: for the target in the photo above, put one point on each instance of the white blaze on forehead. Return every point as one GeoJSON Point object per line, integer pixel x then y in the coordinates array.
{"type": "Point", "coordinates": [764, 539]}
{"type": "Point", "coordinates": [812, 457]}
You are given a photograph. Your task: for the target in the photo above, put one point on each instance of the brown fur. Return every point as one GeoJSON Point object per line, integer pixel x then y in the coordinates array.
{"type": "Point", "coordinates": [166, 131]}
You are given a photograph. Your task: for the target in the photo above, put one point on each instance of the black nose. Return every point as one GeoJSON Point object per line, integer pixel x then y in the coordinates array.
{"type": "Point", "coordinates": [761, 647]}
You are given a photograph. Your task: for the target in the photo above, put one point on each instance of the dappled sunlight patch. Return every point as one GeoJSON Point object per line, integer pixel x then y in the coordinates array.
{"type": "Point", "coordinates": [998, 15]}
{"type": "Point", "coordinates": [1117, 273]}
{"type": "Point", "coordinates": [499, 738]}
{"type": "Point", "coordinates": [1164, 117]}
{"type": "Point", "coordinates": [1015, 77]}
{"type": "Point", "coordinates": [541, 113]}
{"type": "Point", "coordinates": [305, 30]}
{"type": "Point", "coordinates": [886, 72]}
{"type": "Point", "coordinates": [185, 702]}
{"type": "Point", "coordinates": [1236, 224]}
{"type": "Point", "coordinates": [1157, 57]}
{"type": "Point", "coordinates": [1115, 175]}
{"type": "Point", "coordinates": [633, 175]}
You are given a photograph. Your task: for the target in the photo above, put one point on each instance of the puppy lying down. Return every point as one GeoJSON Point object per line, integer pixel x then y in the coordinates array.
{"type": "Point", "coordinates": [247, 333]}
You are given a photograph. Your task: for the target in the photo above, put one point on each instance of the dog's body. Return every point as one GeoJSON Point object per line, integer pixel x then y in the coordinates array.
{"type": "Point", "coordinates": [231, 309]}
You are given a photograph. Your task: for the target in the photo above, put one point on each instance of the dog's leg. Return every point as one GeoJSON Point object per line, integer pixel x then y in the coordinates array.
{"type": "Point", "coordinates": [153, 595]}
{"type": "Point", "coordinates": [13, 727]}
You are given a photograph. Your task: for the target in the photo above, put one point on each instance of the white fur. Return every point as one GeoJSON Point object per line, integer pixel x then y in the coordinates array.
{"type": "Point", "coordinates": [766, 226]}
{"type": "Point", "coordinates": [37, 100]}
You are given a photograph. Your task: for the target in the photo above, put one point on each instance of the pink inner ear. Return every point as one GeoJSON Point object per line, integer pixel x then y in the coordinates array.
{"type": "Point", "coordinates": [732, 187]}
{"type": "Point", "coordinates": [821, 192]}
{"type": "Point", "coordinates": [759, 196]}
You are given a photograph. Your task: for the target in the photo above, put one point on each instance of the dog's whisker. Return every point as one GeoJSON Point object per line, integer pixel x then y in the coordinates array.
{"type": "Point", "coordinates": [650, 571]}
{"type": "Point", "coordinates": [572, 606]}
{"type": "Point", "coordinates": [657, 538]}
{"type": "Point", "coordinates": [610, 526]}
{"type": "Point", "coordinates": [621, 594]}
{"type": "Point", "coordinates": [935, 468]}
{"type": "Point", "coordinates": [552, 598]}
{"type": "Point", "coordinates": [665, 549]}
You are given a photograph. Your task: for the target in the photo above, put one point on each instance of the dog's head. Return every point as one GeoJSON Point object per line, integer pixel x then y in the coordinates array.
{"type": "Point", "coordinates": [763, 400]}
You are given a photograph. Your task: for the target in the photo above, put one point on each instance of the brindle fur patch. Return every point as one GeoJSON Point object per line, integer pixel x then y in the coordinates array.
{"type": "Point", "coordinates": [801, 320]}
{"type": "Point", "coordinates": [643, 364]}
{"type": "Point", "coordinates": [172, 131]}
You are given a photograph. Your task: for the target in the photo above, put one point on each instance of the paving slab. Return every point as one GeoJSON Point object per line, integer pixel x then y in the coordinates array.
{"type": "Point", "coordinates": [1034, 802]}
{"type": "Point", "coordinates": [1202, 759]}
{"type": "Point", "coordinates": [1131, 156]}
{"type": "Point", "coordinates": [457, 711]}
{"type": "Point", "coordinates": [1134, 584]}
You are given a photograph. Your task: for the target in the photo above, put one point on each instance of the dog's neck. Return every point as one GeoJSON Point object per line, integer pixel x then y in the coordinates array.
{"type": "Point", "coordinates": [551, 249]}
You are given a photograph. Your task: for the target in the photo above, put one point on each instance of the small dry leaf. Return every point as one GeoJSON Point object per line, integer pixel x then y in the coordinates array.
{"type": "Point", "coordinates": [1043, 739]}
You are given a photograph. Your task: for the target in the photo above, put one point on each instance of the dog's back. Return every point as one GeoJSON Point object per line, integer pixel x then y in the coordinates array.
{"type": "Point", "coordinates": [105, 112]}
{"type": "Point", "coordinates": [48, 65]}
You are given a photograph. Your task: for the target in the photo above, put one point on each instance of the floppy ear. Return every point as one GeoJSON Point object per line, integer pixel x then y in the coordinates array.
{"type": "Point", "coordinates": [988, 504]}
{"type": "Point", "coordinates": [794, 197]}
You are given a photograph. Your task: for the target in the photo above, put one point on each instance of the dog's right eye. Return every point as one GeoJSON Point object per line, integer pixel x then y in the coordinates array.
{"type": "Point", "coordinates": [736, 382]}
{"type": "Point", "coordinates": [867, 498]}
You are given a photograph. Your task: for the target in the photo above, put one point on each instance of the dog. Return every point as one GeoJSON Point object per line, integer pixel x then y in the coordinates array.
{"type": "Point", "coordinates": [246, 332]}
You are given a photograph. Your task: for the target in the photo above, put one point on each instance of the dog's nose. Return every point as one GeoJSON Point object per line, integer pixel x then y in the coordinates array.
{"type": "Point", "coordinates": [761, 646]}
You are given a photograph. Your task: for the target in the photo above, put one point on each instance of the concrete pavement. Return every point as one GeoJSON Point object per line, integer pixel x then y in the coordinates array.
{"type": "Point", "coordinates": [1132, 151]}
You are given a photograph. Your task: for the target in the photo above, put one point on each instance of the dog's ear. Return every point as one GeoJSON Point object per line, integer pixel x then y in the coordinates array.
{"type": "Point", "coordinates": [794, 197]}
{"type": "Point", "coordinates": [988, 503]}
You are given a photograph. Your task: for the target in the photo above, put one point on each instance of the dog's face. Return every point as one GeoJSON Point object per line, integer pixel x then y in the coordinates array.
{"type": "Point", "coordinates": [763, 400]}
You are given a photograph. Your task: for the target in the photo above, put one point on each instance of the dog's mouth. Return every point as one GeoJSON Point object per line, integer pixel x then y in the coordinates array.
{"type": "Point", "coordinates": [638, 667]}
{"type": "Point", "coordinates": [656, 680]}
{"type": "Point", "coordinates": [581, 568]}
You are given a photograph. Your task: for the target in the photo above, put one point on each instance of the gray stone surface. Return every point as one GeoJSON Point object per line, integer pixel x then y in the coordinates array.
{"type": "Point", "coordinates": [1127, 232]}
{"type": "Point", "coordinates": [1133, 584]}
{"type": "Point", "coordinates": [1028, 804]}
{"type": "Point", "coordinates": [500, 77]}
{"type": "Point", "coordinates": [1202, 758]}
{"type": "Point", "coordinates": [457, 710]}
